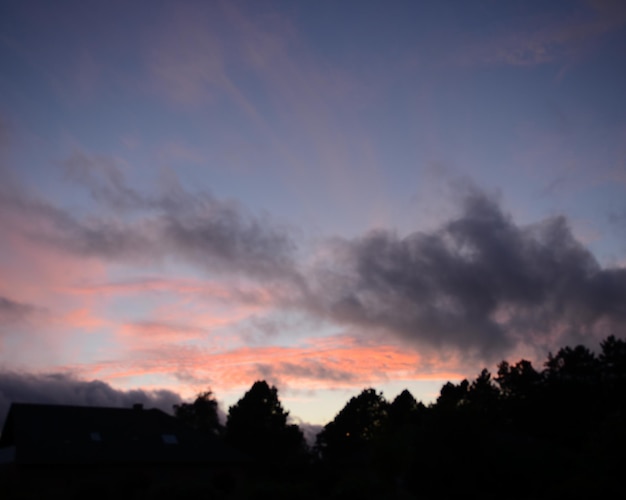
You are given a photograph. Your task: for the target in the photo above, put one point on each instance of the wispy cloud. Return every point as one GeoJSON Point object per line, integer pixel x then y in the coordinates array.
{"type": "Point", "coordinates": [159, 331]}
{"type": "Point", "coordinates": [545, 38]}
{"type": "Point", "coordinates": [196, 227]}
{"type": "Point", "coordinates": [205, 56]}
{"type": "Point", "coordinates": [185, 56]}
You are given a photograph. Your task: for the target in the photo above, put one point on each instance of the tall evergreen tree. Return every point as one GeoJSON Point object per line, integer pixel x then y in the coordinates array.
{"type": "Point", "coordinates": [355, 427]}
{"type": "Point", "coordinates": [258, 425]}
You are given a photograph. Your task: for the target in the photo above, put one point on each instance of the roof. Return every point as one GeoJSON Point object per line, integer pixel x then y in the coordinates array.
{"type": "Point", "coordinates": [57, 434]}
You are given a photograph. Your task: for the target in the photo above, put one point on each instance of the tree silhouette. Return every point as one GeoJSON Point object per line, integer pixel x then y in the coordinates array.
{"type": "Point", "coordinates": [555, 433]}
{"type": "Point", "coordinates": [355, 426]}
{"type": "Point", "coordinates": [257, 424]}
{"type": "Point", "coordinates": [613, 357]}
{"type": "Point", "coordinates": [521, 392]}
{"type": "Point", "coordinates": [404, 410]}
{"type": "Point", "coordinates": [572, 365]}
{"type": "Point", "coordinates": [518, 381]}
{"type": "Point", "coordinates": [452, 395]}
{"type": "Point", "coordinates": [482, 392]}
{"type": "Point", "coordinates": [613, 371]}
{"type": "Point", "coordinates": [201, 414]}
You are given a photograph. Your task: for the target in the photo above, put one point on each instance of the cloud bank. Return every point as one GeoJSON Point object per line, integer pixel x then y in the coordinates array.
{"type": "Point", "coordinates": [480, 283]}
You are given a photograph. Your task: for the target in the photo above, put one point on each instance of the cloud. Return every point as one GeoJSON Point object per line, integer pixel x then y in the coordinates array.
{"type": "Point", "coordinates": [133, 226]}
{"type": "Point", "coordinates": [306, 369]}
{"type": "Point", "coordinates": [60, 388]}
{"type": "Point", "coordinates": [12, 312]}
{"type": "Point", "coordinates": [204, 289]}
{"type": "Point", "coordinates": [214, 233]}
{"type": "Point", "coordinates": [480, 284]}
{"type": "Point", "coordinates": [161, 331]}
{"type": "Point", "coordinates": [335, 362]}
{"type": "Point", "coordinates": [310, 431]}
{"type": "Point", "coordinates": [104, 178]}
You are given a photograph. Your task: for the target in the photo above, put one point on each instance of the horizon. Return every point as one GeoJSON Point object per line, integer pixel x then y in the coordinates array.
{"type": "Point", "coordinates": [328, 196]}
{"type": "Point", "coordinates": [66, 390]}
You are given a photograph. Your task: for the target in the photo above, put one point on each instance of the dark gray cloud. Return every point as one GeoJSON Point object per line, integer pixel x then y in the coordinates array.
{"type": "Point", "coordinates": [213, 234]}
{"type": "Point", "coordinates": [481, 284]}
{"type": "Point", "coordinates": [12, 311]}
{"type": "Point", "coordinates": [136, 226]}
{"type": "Point", "coordinates": [59, 388]}
{"type": "Point", "coordinates": [43, 222]}
{"type": "Point", "coordinates": [305, 369]}
{"type": "Point", "coordinates": [195, 225]}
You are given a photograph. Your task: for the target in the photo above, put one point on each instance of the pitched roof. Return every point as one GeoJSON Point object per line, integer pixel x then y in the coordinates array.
{"type": "Point", "coordinates": [47, 434]}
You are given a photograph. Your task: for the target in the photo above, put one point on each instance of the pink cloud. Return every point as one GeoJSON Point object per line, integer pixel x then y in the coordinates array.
{"type": "Point", "coordinates": [179, 286]}
{"type": "Point", "coordinates": [338, 362]}
{"type": "Point", "coordinates": [160, 331]}
{"type": "Point", "coordinates": [82, 319]}
{"type": "Point", "coordinates": [40, 276]}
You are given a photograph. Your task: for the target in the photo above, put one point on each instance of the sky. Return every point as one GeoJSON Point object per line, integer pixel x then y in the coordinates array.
{"type": "Point", "coordinates": [327, 195]}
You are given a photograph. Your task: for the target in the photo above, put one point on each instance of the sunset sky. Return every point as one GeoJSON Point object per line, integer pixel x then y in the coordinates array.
{"type": "Point", "coordinates": [328, 195]}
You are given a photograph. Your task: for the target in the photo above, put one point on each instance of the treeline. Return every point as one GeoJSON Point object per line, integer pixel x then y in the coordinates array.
{"type": "Point", "coordinates": [523, 432]}
{"type": "Point", "coordinates": [257, 424]}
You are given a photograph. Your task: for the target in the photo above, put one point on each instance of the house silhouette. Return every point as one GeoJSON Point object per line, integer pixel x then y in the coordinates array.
{"type": "Point", "coordinates": [66, 447]}
{"type": "Point", "coordinates": [59, 434]}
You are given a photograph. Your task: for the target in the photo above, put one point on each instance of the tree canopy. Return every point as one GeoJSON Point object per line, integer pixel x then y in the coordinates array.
{"type": "Point", "coordinates": [202, 414]}
{"type": "Point", "coordinates": [355, 426]}
{"type": "Point", "coordinates": [258, 425]}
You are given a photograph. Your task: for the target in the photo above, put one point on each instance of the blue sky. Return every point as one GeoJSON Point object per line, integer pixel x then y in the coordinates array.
{"type": "Point", "coordinates": [328, 195]}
